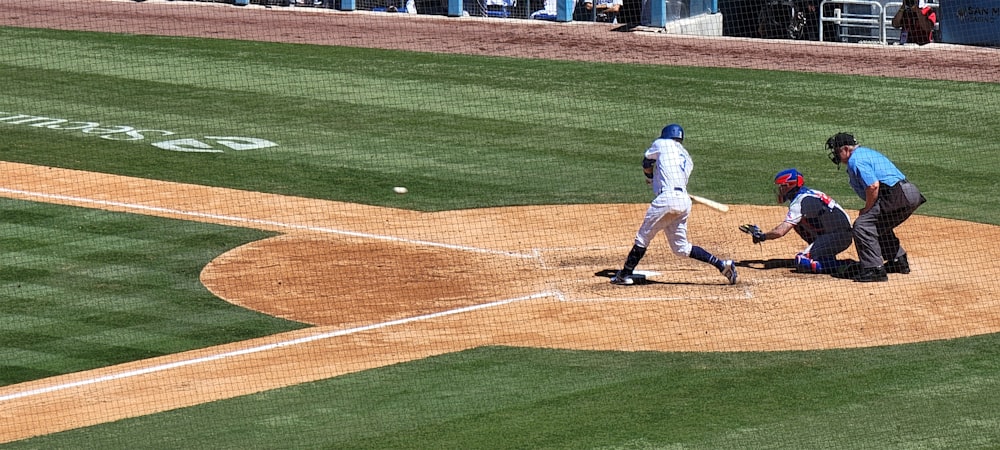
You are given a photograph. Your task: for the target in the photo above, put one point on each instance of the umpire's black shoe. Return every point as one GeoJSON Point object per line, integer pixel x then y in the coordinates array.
{"type": "Point", "coordinates": [872, 274]}
{"type": "Point", "coordinates": [898, 265]}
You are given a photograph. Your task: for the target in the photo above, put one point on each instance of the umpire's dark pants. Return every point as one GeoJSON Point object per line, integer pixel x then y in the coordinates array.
{"type": "Point", "coordinates": [874, 231]}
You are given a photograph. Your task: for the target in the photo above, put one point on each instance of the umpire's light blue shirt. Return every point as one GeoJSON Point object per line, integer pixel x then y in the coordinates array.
{"type": "Point", "coordinates": [866, 166]}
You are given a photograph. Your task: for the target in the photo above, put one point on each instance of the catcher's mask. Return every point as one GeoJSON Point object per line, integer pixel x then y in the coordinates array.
{"type": "Point", "coordinates": [835, 142]}
{"type": "Point", "coordinates": [673, 131]}
{"type": "Point", "coordinates": [788, 182]}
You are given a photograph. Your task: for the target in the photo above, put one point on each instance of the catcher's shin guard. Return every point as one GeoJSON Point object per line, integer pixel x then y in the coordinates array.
{"type": "Point", "coordinates": [804, 264]}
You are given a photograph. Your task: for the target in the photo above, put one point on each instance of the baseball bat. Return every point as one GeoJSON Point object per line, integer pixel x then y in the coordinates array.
{"type": "Point", "coordinates": [710, 203]}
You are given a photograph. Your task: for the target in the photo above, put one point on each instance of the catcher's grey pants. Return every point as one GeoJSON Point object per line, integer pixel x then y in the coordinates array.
{"type": "Point", "coordinates": [874, 231]}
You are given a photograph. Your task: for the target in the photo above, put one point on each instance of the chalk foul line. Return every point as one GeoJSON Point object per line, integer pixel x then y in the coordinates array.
{"type": "Point", "coordinates": [264, 348]}
{"type": "Point", "coordinates": [248, 221]}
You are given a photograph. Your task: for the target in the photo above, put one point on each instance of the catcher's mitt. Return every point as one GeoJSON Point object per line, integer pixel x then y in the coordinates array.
{"type": "Point", "coordinates": [754, 232]}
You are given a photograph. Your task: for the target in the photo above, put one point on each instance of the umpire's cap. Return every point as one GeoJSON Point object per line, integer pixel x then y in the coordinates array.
{"type": "Point", "coordinates": [835, 142]}
{"type": "Point", "coordinates": [839, 140]}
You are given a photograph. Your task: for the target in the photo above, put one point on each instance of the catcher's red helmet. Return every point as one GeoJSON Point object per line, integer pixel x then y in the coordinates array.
{"type": "Point", "coordinates": [789, 181]}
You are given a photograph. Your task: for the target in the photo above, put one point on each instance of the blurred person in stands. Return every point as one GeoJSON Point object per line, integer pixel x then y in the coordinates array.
{"type": "Point", "coordinates": [811, 12]}
{"type": "Point", "coordinates": [548, 11]}
{"type": "Point", "coordinates": [915, 22]}
{"type": "Point", "coordinates": [607, 10]}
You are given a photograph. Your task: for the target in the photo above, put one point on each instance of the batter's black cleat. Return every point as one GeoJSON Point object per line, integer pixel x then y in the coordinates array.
{"type": "Point", "coordinates": [872, 274]}
{"type": "Point", "coordinates": [622, 279]}
{"type": "Point", "coordinates": [898, 265]}
{"type": "Point", "coordinates": [628, 280]}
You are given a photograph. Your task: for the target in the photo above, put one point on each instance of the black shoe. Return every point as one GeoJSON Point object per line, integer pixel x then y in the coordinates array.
{"type": "Point", "coordinates": [898, 265]}
{"type": "Point", "coordinates": [872, 274]}
{"type": "Point", "coordinates": [622, 280]}
{"type": "Point", "coordinates": [847, 271]}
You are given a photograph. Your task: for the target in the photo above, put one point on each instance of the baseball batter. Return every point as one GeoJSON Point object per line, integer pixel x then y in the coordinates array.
{"type": "Point", "coordinates": [815, 217]}
{"type": "Point", "coordinates": [667, 167]}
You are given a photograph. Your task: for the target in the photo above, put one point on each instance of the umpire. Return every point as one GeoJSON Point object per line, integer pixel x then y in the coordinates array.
{"type": "Point", "coordinates": [889, 200]}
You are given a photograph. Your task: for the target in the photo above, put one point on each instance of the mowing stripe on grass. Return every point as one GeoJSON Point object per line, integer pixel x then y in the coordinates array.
{"type": "Point", "coordinates": [244, 220]}
{"type": "Point", "coordinates": [273, 346]}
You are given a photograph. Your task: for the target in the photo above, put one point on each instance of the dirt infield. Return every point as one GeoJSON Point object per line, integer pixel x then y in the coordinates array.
{"type": "Point", "coordinates": [549, 292]}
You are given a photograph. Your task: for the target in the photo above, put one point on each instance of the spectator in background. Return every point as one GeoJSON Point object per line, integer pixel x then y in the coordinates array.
{"type": "Point", "coordinates": [606, 10]}
{"type": "Point", "coordinates": [811, 12]}
{"type": "Point", "coordinates": [548, 11]}
{"type": "Point", "coordinates": [781, 19]}
{"type": "Point", "coordinates": [400, 6]}
{"type": "Point", "coordinates": [916, 23]}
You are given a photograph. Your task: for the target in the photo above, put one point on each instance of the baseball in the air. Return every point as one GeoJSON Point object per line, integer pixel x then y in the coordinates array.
{"type": "Point", "coordinates": [400, 190]}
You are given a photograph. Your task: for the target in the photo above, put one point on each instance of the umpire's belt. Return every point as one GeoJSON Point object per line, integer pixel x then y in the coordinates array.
{"type": "Point", "coordinates": [886, 190]}
{"type": "Point", "coordinates": [898, 196]}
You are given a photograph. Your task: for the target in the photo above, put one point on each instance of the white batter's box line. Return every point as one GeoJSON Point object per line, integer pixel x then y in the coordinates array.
{"type": "Point", "coordinates": [559, 295]}
{"type": "Point", "coordinates": [271, 223]}
{"type": "Point", "coordinates": [653, 299]}
{"type": "Point", "coordinates": [276, 345]}
{"type": "Point", "coordinates": [541, 258]}
{"type": "Point", "coordinates": [575, 249]}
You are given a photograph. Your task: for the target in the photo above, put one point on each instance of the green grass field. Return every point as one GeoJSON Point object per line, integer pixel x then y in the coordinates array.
{"type": "Point", "coordinates": [82, 289]}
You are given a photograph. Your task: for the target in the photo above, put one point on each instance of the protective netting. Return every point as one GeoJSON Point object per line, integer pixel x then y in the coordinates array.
{"type": "Point", "coordinates": [203, 200]}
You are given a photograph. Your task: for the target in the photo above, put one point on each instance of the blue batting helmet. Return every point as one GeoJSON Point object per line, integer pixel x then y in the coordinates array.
{"type": "Point", "coordinates": [673, 131]}
{"type": "Point", "coordinates": [789, 182]}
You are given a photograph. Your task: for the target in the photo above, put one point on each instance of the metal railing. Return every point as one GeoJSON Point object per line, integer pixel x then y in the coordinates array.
{"type": "Point", "coordinates": [878, 19]}
{"type": "Point", "coordinates": [847, 22]}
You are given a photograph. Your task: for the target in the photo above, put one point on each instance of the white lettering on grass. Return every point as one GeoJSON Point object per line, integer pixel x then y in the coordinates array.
{"type": "Point", "coordinates": [206, 144]}
{"type": "Point", "coordinates": [241, 143]}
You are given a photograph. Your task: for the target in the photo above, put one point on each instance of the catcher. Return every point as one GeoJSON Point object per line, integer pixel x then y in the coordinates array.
{"type": "Point", "coordinates": [816, 217]}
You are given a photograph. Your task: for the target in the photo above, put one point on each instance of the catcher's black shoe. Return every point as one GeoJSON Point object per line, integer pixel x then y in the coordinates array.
{"type": "Point", "coordinates": [872, 274]}
{"type": "Point", "coordinates": [898, 265]}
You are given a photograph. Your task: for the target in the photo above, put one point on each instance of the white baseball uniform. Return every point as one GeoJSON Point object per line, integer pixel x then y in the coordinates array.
{"type": "Point", "coordinates": [669, 211]}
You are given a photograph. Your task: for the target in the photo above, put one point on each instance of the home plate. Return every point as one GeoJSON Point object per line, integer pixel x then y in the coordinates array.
{"type": "Point", "coordinates": [647, 273]}
{"type": "Point", "coordinates": [639, 276]}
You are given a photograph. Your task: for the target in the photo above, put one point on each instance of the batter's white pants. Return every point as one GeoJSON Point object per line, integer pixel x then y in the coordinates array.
{"type": "Point", "coordinates": [671, 219]}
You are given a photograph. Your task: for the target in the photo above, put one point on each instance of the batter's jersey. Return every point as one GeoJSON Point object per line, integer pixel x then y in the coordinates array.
{"type": "Point", "coordinates": [814, 213]}
{"type": "Point", "coordinates": [673, 168]}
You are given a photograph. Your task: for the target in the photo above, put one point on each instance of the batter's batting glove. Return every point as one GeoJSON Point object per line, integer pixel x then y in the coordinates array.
{"type": "Point", "coordinates": [754, 232]}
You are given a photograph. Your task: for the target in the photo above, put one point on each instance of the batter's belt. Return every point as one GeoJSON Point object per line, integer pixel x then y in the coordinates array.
{"type": "Point", "coordinates": [668, 188]}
